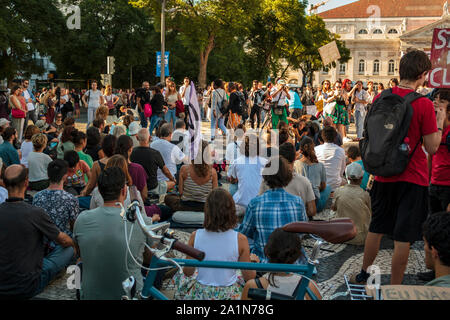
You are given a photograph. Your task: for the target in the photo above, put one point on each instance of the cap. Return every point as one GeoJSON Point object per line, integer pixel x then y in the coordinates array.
{"type": "Point", "coordinates": [133, 128]}
{"type": "Point", "coordinates": [4, 121]}
{"type": "Point", "coordinates": [354, 171]}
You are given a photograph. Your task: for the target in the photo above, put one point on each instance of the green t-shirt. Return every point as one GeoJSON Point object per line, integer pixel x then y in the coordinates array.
{"type": "Point", "coordinates": [100, 236]}
{"type": "Point", "coordinates": [86, 158]}
{"type": "Point", "coordinates": [443, 281]}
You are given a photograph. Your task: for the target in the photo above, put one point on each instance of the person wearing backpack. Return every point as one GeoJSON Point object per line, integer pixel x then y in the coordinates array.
{"type": "Point", "coordinates": [235, 107]}
{"type": "Point", "coordinates": [219, 108]}
{"type": "Point", "coordinates": [398, 122]}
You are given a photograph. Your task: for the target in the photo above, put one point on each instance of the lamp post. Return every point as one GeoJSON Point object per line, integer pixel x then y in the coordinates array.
{"type": "Point", "coordinates": [163, 41]}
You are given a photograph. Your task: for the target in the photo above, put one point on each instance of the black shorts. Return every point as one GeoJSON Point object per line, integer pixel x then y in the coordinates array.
{"type": "Point", "coordinates": [399, 209]}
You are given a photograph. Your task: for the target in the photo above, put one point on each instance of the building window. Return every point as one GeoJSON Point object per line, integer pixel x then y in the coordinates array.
{"type": "Point", "coordinates": [377, 31]}
{"type": "Point", "coordinates": [376, 67]}
{"type": "Point", "coordinates": [362, 66]}
{"type": "Point", "coordinates": [325, 70]}
{"type": "Point", "coordinates": [363, 31]}
{"type": "Point", "coordinates": [393, 31]}
{"type": "Point", "coordinates": [391, 66]}
{"type": "Point", "coordinates": [342, 68]}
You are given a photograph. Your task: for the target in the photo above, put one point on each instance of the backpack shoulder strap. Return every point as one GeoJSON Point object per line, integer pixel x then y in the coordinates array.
{"type": "Point", "coordinates": [413, 96]}
{"type": "Point", "coordinates": [258, 283]}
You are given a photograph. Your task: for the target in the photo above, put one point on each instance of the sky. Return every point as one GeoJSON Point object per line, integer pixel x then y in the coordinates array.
{"type": "Point", "coordinates": [331, 4]}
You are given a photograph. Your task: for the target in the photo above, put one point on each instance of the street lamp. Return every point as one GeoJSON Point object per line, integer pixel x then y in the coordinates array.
{"type": "Point", "coordinates": [163, 41]}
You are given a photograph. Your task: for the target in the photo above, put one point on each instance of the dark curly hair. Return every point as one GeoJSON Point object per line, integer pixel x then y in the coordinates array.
{"type": "Point", "coordinates": [283, 176]}
{"type": "Point", "coordinates": [307, 149]}
{"type": "Point", "coordinates": [110, 183]}
{"type": "Point", "coordinates": [282, 247]}
{"type": "Point", "coordinates": [436, 231]}
{"type": "Point", "coordinates": [220, 211]}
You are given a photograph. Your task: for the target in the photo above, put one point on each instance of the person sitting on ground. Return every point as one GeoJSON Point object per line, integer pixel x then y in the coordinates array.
{"type": "Point", "coordinates": [333, 158]}
{"type": "Point", "coordinates": [273, 209]}
{"type": "Point", "coordinates": [133, 130]}
{"type": "Point", "coordinates": [3, 191]}
{"type": "Point", "coordinates": [8, 152]}
{"type": "Point", "coordinates": [99, 124]}
{"type": "Point", "coordinates": [328, 122]}
{"type": "Point", "coordinates": [119, 130]}
{"type": "Point", "coordinates": [220, 243]}
{"type": "Point", "coordinates": [246, 171]}
{"type": "Point", "coordinates": [38, 163]}
{"type": "Point", "coordinates": [152, 160]}
{"type": "Point", "coordinates": [171, 154]}
{"type": "Point", "coordinates": [108, 147]}
{"type": "Point", "coordinates": [181, 137]}
{"type": "Point", "coordinates": [55, 129]}
{"type": "Point", "coordinates": [25, 270]}
{"type": "Point", "coordinates": [77, 175]}
{"type": "Point", "coordinates": [99, 236]}
{"type": "Point", "coordinates": [27, 146]}
{"type": "Point", "coordinates": [197, 179]}
{"type": "Point", "coordinates": [137, 173]}
{"type": "Point", "coordinates": [309, 167]}
{"type": "Point", "coordinates": [436, 230]}
{"type": "Point", "coordinates": [286, 248]}
{"type": "Point", "coordinates": [80, 142]}
{"type": "Point", "coordinates": [66, 142]}
{"type": "Point", "coordinates": [354, 155]}
{"type": "Point", "coordinates": [61, 206]}
{"type": "Point", "coordinates": [299, 185]}
{"type": "Point", "coordinates": [93, 144]}
{"type": "Point", "coordinates": [351, 201]}
{"type": "Point", "coordinates": [233, 152]}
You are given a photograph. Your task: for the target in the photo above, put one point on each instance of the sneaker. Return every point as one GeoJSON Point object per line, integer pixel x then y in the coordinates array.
{"type": "Point", "coordinates": [359, 278]}
{"type": "Point", "coordinates": [426, 276]}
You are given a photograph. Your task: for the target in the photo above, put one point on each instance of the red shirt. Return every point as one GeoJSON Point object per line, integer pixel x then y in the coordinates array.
{"type": "Point", "coordinates": [440, 170]}
{"type": "Point", "coordinates": [423, 123]}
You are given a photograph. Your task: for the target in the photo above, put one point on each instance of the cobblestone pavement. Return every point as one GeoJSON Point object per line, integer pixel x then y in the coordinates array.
{"type": "Point", "coordinates": [335, 261]}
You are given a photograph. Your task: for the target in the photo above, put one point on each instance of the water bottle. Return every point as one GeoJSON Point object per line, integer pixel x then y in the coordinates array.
{"type": "Point", "coordinates": [404, 147]}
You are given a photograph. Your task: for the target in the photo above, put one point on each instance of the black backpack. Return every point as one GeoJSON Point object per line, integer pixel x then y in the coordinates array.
{"type": "Point", "coordinates": [383, 149]}
{"type": "Point", "coordinates": [242, 104]}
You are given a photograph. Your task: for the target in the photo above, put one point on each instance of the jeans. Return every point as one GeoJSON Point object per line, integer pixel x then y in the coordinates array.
{"type": "Point", "coordinates": [256, 111]}
{"type": "Point", "coordinates": [171, 115]}
{"type": "Point", "coordinates": [359, 122]}
{"type": "Point", "coordinates": [91, 116]}
{"type": "Point", "coordinates": [54, 263]}
{"type": "Point", "coordinates": [154, 121]}
{"type": "Point", "coordinates": [213, 125]}
{"type": "Point", "coordinates": [84, 202]}
{"type": "Point", "coordinates": [144, 122]}
{"type": "Point", "coordinates": [324, 196]}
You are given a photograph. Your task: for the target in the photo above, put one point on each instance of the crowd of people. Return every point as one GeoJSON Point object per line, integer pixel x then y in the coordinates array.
{"type": "Point", "coordinates": [62, 189]}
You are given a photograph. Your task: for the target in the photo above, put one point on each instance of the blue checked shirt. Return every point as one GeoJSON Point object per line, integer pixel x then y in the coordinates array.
{"type": "Point", "coordinates": [270, 211]}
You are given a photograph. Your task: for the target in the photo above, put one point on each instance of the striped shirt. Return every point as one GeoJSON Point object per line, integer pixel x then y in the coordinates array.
{"type": "Point", "coordinates": [194, 192]}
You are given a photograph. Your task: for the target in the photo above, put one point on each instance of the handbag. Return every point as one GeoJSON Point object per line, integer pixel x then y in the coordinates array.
{"type": "Point", "coordinates": [179, 106]}
{"type": "Point", "coordinates": [18, 113]}
{"type": "Point", "coordinates": [277, 110]}
{"type": "Point", "coordinates": [329, 108]}
{"type": "Point", "coordinates": [148, 110]}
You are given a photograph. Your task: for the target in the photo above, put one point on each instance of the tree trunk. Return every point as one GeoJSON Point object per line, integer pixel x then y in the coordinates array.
{"type": "Point", "coordinates": [204, 55]}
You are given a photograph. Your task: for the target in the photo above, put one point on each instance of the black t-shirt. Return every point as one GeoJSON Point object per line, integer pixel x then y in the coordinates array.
{"type": "Point", "coordinates": [157, 103]}
{"type": "Point", "coordinates": [144, 95]}
{"type": "Point", "coordinates": [93, 152]}
{"type": "Point", "coordinates": [151, 160]}
{"type": "Point", "coordinates": [234, 102]}
{"type": "Point", "coordinates": [22, 231]}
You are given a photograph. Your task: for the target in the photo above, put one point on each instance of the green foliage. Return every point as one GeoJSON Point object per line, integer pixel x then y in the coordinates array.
{"type": "Point", "coordinates": [27, 27]}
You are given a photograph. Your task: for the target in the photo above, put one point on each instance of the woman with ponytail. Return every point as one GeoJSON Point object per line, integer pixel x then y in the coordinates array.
{"type": "Point", "coordinates": [282, 247]}
{"type": "Point", "coordinates": [309, 167]}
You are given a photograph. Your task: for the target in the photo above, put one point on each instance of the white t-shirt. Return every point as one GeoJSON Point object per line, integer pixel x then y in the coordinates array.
{"type": "Point", "coordinates": [186, 143]}
{"type": "Point", "coordinates": [248, 171]}
{"type": "Point", "coordinates": [171, 154]}
{"type": "Point", "coordinates": [65, 98]}
{"type": "Point", "coordinates": [361, 95]}
{"type": "Point", "coordinates": [186, 95]}
{"type": "Point", "coordinates": [233, 152]}
{"type": "Point", "coordinates": [26, 149]}
{"type": "Point", "coordinates": [3, 194]}
{"type": "Point", "coordinates": [37, 164]}
{"type": "Point", "coordinates": [93, 98]}
{"type": "Point", "coordinates": [30, 105]}
{"type": "Point", "coordinates": [280, 98]}
{"type": "Point", "coordinates": [333, 158]}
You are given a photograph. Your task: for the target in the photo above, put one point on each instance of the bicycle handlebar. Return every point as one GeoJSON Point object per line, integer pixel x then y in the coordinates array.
{"type": "Point", "coordinates": [261, 294]}
{"type": "Point", "coordinates": [190, 251]}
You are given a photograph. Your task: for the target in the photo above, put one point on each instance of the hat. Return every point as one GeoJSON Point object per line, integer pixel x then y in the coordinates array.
{"type": "Point", "coordinates": [4, 121]}
{"type": "Point", "coordinates": [133, 128]}
{"type": "Point", "coordinates": [354, 171]}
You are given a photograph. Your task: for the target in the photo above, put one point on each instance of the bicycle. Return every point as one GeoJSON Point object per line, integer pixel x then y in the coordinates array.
{"type": "Point", "coordinates": [336, 231]}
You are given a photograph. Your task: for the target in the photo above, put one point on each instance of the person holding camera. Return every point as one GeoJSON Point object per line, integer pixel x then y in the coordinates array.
{"type": "Point", "coordinates": [279, 93]}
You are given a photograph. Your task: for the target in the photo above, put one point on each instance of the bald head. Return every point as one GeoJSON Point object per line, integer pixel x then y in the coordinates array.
{"type": "Point", "coordinates": [143, 137]}
{"type": "Point", "coordinates": [15, 177]}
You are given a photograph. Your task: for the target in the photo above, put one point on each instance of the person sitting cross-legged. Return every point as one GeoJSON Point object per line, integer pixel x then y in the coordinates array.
{"type": "Point", "coordinates": [99, 235]}
{"type": "Point", "coordinates": [272, 210]}
{"type": "Point", "coordinates": [25, 270]}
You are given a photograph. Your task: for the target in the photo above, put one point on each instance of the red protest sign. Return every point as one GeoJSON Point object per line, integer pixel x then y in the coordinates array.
{"type": "Point", "coordinates": [440, 59]}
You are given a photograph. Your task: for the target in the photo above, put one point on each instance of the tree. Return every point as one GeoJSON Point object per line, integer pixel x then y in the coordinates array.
{"type": "Point", "coordinates": [27, 27]}
{"type": "Point", "coordinates": [205, 25]}
{"type": "Point", "coordinates": [278, 25]}
{"type": "Point", "coordinates": [307, 57]}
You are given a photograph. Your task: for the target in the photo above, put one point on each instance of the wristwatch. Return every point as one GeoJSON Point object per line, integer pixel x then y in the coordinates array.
{"type": "Point", "coordinates": [440, 129]}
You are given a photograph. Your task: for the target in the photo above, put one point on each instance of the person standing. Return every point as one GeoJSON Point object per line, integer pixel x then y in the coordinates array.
{"type": "Point", "coordinates": [400, 203]}
{"type": "Point", "coordinates": [18, 111]}
{"type": "Point", "coordinates": [218, 95]}
{"type": "Point", "coordinates": [279, 93]}
{"type": "Point", "coordinates": [171, 97]}
{"type": "Point", "coordinates": [30, 100]}
{"type": "Point", "coordinates": [111, 101]}
{"type": "Point", "coordinates": [257, 99]}
{"type": "Point", "coordinates": [93, 99]}
{"type": "Point", "coordinates": [143, 97]}
{"type": "Point", "coordinates": [185, 92]}
{"type": "Point", "coordinates": [360, 98]}
{"type": "Point", "coordinates": [158, 108]}
{"type": "Point", "coordinates": [295, 104]}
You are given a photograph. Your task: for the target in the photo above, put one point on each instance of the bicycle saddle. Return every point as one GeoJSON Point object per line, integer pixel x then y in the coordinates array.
{"type": "Point", "coordinates": [334, 231]}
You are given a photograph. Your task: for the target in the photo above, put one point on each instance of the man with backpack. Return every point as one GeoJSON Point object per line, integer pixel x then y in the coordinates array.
{"type": "Point", "coordinates": [397, 125]}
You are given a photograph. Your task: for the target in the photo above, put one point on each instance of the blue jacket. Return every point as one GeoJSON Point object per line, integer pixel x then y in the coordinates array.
{"type": "Point", "coordinates": [31, 95]}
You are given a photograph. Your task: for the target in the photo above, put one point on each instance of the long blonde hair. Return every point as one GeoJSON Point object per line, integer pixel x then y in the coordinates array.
{"type": "Point", "coordinates": [108, 90]}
